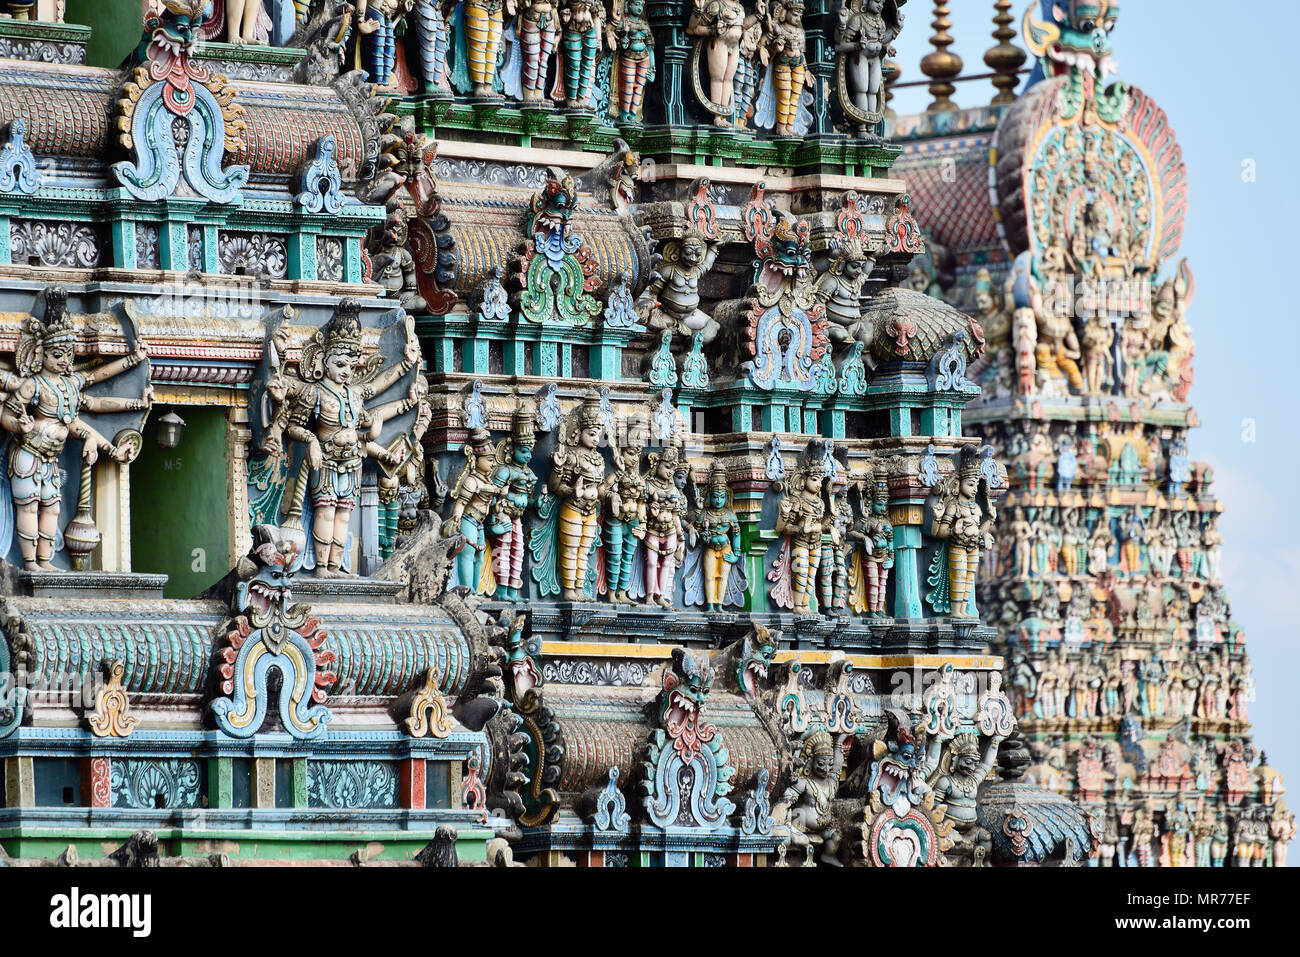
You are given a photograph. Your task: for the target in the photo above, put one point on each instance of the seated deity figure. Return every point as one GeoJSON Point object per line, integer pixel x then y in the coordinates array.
{"type": "Point", "coordinates": [961, 771]}
{"type": "Point", "coordinates": [323, 407]}
{"type": "Point", "coordinates": [840, 290]}
{"type": "Point", "coordinates": [805, 806]}
{"type": "Point", "coordinates": [43, 402]}
{"type": "Point", "coordinates": [672, 299]}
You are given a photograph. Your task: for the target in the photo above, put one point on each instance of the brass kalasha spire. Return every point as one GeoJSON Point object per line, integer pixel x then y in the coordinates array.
{"type": "Point", "coordinates": [1006, 58]}
{"type": "Point", "coordinates": [941, 66]}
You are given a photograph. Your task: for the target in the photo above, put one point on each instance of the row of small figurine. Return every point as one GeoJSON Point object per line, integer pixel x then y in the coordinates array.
{"type": "Point", "coordinates": [1215, 687]}
{"type": "Point", "coordinates": [745, 62]}
{"type": "Point", "coordinates": [644, 522]}
{"type": "Point", "coordinates": [1159, 542]}
{"type": "Point", "coordinates": [624, 532]}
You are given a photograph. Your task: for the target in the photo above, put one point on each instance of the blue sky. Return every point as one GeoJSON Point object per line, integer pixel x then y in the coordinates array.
{"type": "Point", "coordinates": [1225, 81]}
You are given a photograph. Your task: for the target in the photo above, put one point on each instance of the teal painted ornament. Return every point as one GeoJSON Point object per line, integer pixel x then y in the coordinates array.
{"type": "Point", "coordinates": [695, 368]}
{"type": "Point", "coordinates": [663, 366]}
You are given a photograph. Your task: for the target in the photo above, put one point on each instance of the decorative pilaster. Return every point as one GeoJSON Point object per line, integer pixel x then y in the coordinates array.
{"type": "Point", "coordinates": [821, 60]}
{"type": "Point", "coordinates": [668, 19]}
{"type": "Point", "coordinates": [238, 436]}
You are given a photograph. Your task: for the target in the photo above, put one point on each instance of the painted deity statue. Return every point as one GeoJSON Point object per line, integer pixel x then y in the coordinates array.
{"type": "Point", "coordinates": [805, 806]}
{"type": "Point", "coordinates": [672, 299]}
{"type": "Point", "coordinates": [538, 26]}
{"type": "Point", "coordinates": [840, 290]}
{"type": "Point", "coordinates": [960, 772]}
{"type": "Point", "coordinates": [515, 483]}
{"type": "Point", "coordinates": [875, 533]}
{"type": "Point", "coordinates": [1057, 352]}
{"type": "Point", "coordinates": [833, 591]}
{"type": "Point", "coordinates": [665, 543]}
{"type": "Point", "coordinates": [241, 20]}
{"type": "Point", "coordinates": [863, 34]}
{"type": "Point", "coordinates": [633, 41]}
{"type": "Point", "coordinates": [801, 518]}
{"type": "Point", "coordinates": [624, 495]}
{"type": "Point", "coordinates": [747, 76]}
{"type": "Point", "coordinates": [473, 497]}
{"type": "Point", "coordinates": [323, 407]}
{"type": "Point", "coordinates": [582, 23]}
{"type": "Point", "coordinates": [785, 53]}
{"type": "Point", "coordinates": [43, 402]}
{"type": "Point", "coordinates": [963, 522]}
{"type": "Point", "coordinates": [429, 22]}
{"type": "Point", "coordinates": [717, 27]}
{"type": "Point", "coordinates": [377, 22]}
{"type": "Point", "coordinates": [483, 20]}
{"type": "Point", "coordinates": [719, 528]}
{"type": "Point", "coordinates": [577, 474]}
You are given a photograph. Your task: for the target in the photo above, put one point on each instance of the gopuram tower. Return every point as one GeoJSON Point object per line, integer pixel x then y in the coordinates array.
{"type": "Point", "coordinates": [1055, 218]}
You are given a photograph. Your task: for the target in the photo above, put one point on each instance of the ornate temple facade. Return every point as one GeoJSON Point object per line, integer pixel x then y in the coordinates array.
{"type": "Point", "coordinates": [540, 434]}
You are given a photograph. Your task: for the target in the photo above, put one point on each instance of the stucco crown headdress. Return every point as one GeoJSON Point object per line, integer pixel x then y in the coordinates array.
{"type": "Point", "coordinates": [343, 331]}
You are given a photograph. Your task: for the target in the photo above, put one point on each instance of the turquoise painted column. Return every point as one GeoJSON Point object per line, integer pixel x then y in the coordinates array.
{"type": "Point", "coordinates": [211, 261]}
{"type": "Point", "coordinates": [474, 356]}
{"type": "Point", "coordinates": [900, 420]}
{"type": "Point", "coordinates": [123, 232]}
{"type": "Point", "coordinates": [513, 358]}
{"type": "Point", "coordinates": [444, 354]}
{"type": "Point", "coordinates": [302, 255]}
{"type": "Point", "coordinates": [6, 251]}
{"type": "Point", "coordinates": [742, 418]}
{"type": "Point", "coordinates": [546, 360]}
{"type": "Point", "coordinates": [352, 260]}
{"type": "Point", "coordinates": [605, 362]}
{"type": "Point", "coordinates": [173, 245]}
{"type": "Point", "coordinates": [907, 585]}
{"type": "Point", "coordinates": [936, 421]}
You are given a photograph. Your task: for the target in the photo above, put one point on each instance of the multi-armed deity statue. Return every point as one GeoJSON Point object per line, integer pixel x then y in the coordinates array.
{"type": "Point", "coordinates": [321, 406]}
{"type": "Point", "coordinates": [43, 406]}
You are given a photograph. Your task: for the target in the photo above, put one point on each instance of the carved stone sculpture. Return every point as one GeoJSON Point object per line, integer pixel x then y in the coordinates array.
{"type": "Point", "coordinates": [44, 399]}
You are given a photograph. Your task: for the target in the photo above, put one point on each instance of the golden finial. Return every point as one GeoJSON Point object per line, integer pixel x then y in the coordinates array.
{"type": "Point", "coordinates": [941, 66]}
{"type": "Point", "coordinates": [1006, 58]}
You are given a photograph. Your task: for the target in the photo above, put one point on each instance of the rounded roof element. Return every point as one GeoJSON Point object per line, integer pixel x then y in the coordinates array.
{"type": "Point", "coordinates": [909, 326]}
{"type": "Point", "coordinates": [1071, 162]}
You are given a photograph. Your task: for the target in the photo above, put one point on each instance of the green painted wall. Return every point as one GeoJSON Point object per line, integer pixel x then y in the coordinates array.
{"type": "Point", "coordinates": [188, 538]}
{"type": "Point", "coordinates": [117, 27]}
